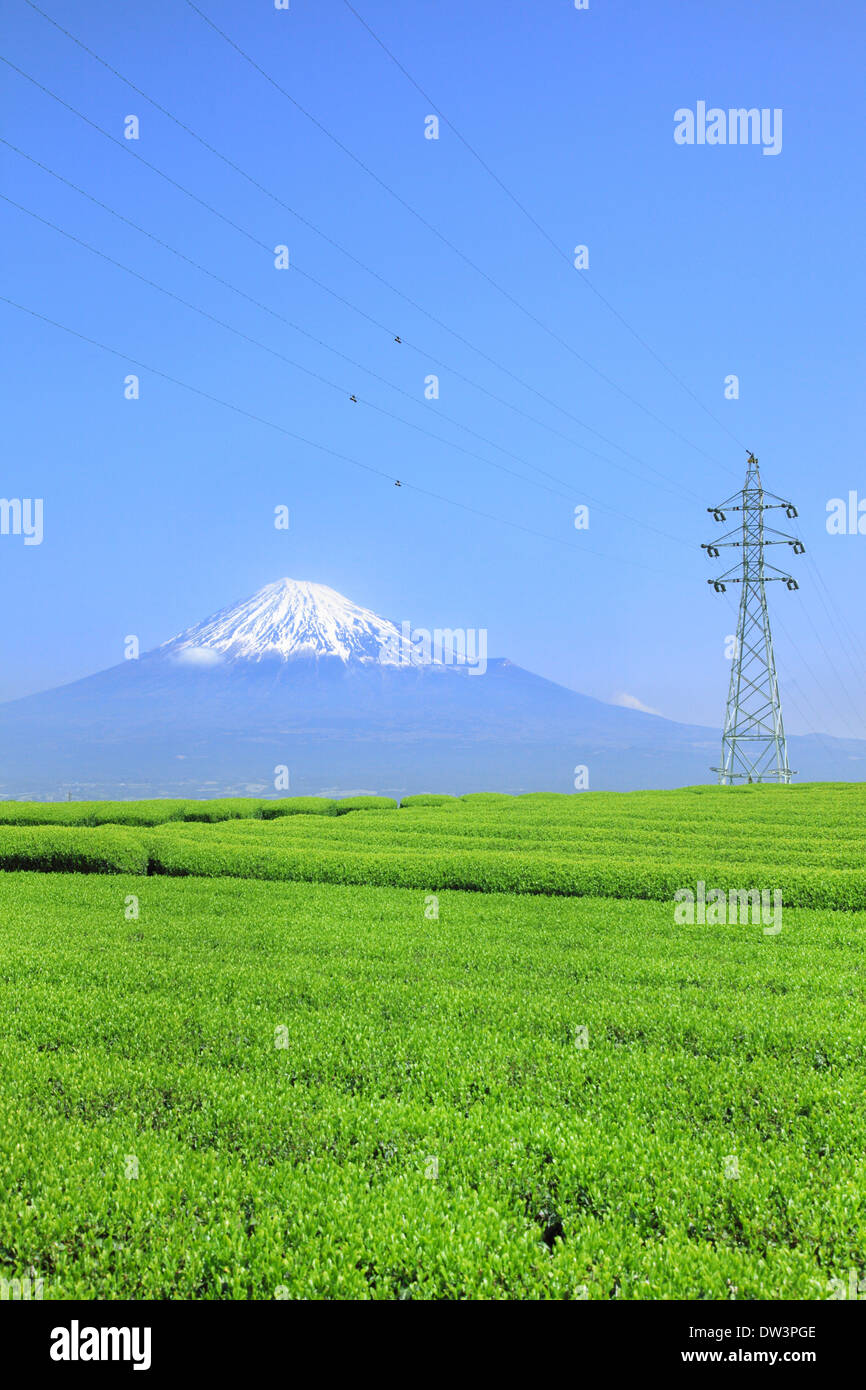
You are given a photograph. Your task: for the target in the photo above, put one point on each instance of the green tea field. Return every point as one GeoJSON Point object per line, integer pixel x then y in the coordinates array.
{"type": "Point", "coordinates": [461, 1049]}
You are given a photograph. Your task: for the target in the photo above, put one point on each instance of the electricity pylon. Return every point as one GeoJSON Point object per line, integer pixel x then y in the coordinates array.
{"type": "Point", "coordinates": [753, 743]}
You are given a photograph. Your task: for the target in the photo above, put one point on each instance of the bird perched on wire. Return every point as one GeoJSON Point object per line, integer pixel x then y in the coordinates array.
{"type": "Point", "coordinates": [354, 398]}
{"type": "Point", "coordinates": [397, 482]}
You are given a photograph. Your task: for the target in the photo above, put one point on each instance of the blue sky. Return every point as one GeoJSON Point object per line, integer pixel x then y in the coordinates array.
{"type": "Point", "coordinates": [723, 259]}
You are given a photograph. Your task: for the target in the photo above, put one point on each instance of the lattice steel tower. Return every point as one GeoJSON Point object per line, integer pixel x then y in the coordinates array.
{"type": "Point", "coordinates": [753, 744]}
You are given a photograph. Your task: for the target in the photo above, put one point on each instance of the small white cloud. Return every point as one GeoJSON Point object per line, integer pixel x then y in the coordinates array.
{"type": "Point", "coordinates": [198, 656]}
{"type": "Point", "coordinates": [632, 702]}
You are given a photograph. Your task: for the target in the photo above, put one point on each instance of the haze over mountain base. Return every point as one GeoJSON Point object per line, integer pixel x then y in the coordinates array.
{"type": "Point", "coordinates": [299, 678]}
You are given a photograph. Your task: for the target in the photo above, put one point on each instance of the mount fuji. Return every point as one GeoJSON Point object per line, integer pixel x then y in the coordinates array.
{"type": "Point", "coordinates": [286, 621]}
{"type": "Point", "coordinates": [297, 676]}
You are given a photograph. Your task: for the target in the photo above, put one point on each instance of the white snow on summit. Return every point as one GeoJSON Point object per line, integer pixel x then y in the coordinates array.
{"type": "Point", "coordinates": [291, 618]}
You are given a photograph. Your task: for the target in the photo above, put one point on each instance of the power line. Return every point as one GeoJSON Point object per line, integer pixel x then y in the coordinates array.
{"type": "Point", "coordinates": [831, 663]}
{"type": "Point", "coordinates": [118, 144]}
{"type": "Point", "coordinates": [340, 389]}
{"type": "Point", "coordinates": [324, 448]}
{"type": "Point", "coordinates": [858, 675]}
{"type": "Point", "coordinates": [830, 701]}
{"type": "Point", "coordinates": [299, 366]}
{"type": "Point", "coordinates": [446, 241]}
{"type": "Point", "coordinates": [851, 637]}
{"type": "Point", "coordinates": [848, 640]}
{"type": "Point", "coordinates": [563, 255]}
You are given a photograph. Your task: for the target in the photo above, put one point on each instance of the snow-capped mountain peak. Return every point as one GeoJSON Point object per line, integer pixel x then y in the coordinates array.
{"type": "Point", "coordinates": [287, 619]}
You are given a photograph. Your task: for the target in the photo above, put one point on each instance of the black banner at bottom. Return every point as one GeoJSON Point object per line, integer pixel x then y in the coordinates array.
{"type": "Point", "coordinates": [159, 1339]}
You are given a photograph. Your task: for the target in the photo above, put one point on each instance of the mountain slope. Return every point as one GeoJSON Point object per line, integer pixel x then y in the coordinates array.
{"type": "Point", "coordinates": [299, 677]}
